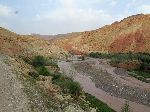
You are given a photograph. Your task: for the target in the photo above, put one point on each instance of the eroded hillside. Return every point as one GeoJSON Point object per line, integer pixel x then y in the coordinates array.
{"type": "Point", "coordinates": [130, 34]}
{"type": "Point", "coordinates": [24, 45]}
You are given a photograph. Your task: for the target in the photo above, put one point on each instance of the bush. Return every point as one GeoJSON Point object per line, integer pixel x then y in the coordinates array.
{"type": "Point", "coordinates": [38, 61]}
{"type": "Point", "coordinates": [114, 60]}
{"type": "Point", "coordinates": [56, 76]}
{"type": "Point", "coordinates": [74, 88]}
{"type": "Point", "coordinates": [43, 71]}
{"type": "Point", "coordinates": [94, 55]}
{"type": "Point", "coordinates": [100, 55]}
{"type": "Point", "coordinates": [67, 85]}
{"type": "Point", "coordinates": [99, 105]}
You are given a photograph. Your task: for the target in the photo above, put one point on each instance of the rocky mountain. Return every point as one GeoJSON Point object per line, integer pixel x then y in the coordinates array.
{"type": "Point", "coordinates": [27, 45]}
{"type": "Point", "coordinates": [130, 34]}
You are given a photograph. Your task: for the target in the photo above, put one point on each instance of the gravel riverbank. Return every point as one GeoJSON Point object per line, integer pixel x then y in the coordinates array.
{"type": "Point", "coordinates": [108, 83]}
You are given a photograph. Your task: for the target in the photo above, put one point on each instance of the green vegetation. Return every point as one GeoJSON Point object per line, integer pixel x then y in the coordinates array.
{"type": "Point", "coordinates": [67, 85]}
{"type": "Point", "coordinates": [38, 61]}
{"type": "Point", "coordinates": [121, 57]}
{"type": "Point", "coordinates": [43, 71]}
{"type": "Point", "coordinates": [142, 73]}
{"type": "Point", "coordinates": [99, 105]}
{"type": "Point", "coordinates": [139, 74]}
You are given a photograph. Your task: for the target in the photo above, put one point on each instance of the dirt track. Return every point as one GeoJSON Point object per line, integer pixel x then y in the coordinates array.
{"type": "Point", "coordinates": [111, 85]}
{"type": "Point", "coordinates": [12, 97]}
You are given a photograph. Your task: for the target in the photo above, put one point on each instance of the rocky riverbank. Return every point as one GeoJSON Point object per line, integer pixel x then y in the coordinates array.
{"type": "Point", "coordinates": [98, 74]}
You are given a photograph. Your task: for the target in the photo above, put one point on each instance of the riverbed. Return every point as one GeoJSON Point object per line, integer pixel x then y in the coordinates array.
{"type": "Point", "coordinates": [109, 84]}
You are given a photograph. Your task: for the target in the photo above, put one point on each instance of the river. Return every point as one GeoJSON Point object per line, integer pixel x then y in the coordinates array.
{"type": "Point", "coordinates": [97, 77]}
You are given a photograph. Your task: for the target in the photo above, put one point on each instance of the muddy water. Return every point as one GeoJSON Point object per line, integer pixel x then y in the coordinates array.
{"type": "Point", "coordinates": [89, 87]}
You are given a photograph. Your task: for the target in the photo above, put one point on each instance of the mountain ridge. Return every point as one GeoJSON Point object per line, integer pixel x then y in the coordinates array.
{"type": "Point", "coordinates": [130, 34]}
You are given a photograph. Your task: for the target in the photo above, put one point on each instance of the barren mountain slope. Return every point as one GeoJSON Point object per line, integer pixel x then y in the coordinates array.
{"type": "Point", "coordinates": [130, 34]}
{"type": "Point", "coordinates": [19, 45]}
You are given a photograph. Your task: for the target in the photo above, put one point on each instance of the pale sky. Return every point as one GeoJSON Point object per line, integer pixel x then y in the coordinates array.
{"type": "Point", "coordinates": [63, 16]}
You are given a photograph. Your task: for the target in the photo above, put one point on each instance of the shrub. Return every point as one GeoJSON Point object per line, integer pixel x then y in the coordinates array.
{"type": "Point", "coordinates": [100, 55]}
{"type": "Point", "coordinates": [94, 55]}
{"type": "Point", "coordinates": [114, 60]}
{"type": "Point", "coordinates": [74, 88]}
{"type": "Point", "coordinates": [43, 71]}
{"type": "Point", "coordinates": [67, 85]}
{"type": "Point", "coordinates": [38, 61]}
{"type": "Point", "coordinates": [56, 76]}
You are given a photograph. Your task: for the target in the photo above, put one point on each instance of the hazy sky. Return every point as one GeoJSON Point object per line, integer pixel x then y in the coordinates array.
{"type": "Point", "coordinates": [62, 16]}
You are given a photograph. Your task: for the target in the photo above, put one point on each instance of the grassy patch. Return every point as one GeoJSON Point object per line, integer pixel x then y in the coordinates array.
{"type": "Point", "coordinates": [67, 85]}
{"type": "Point", "coordinates": [97, 104]}
{"type": "Point", "coordinates": [122, 57]}
{"type": "Point", "coordinates": [141, 73]}
{"type": "Point", "coordinates": [44, 71]}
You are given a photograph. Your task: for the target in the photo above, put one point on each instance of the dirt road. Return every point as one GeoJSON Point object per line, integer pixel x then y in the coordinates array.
{"type": "Point", "coordinates": [12, 97]}
{"type": "Point", "coordinates": [109, 84]}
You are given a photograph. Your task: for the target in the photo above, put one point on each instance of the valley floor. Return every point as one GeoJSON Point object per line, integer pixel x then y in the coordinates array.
{"type": "Point", "coordinates": [109, 84]}
{"type": "Point", "coordinates": [97, 77]}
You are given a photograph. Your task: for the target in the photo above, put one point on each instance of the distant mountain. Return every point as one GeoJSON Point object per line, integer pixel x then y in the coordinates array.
{"type": "Point", "coordinates": [27, 45]}
{"type": "Point", "coordinates": [130, 34]}
{"type": "Point", "coordinates": [50, 37]}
